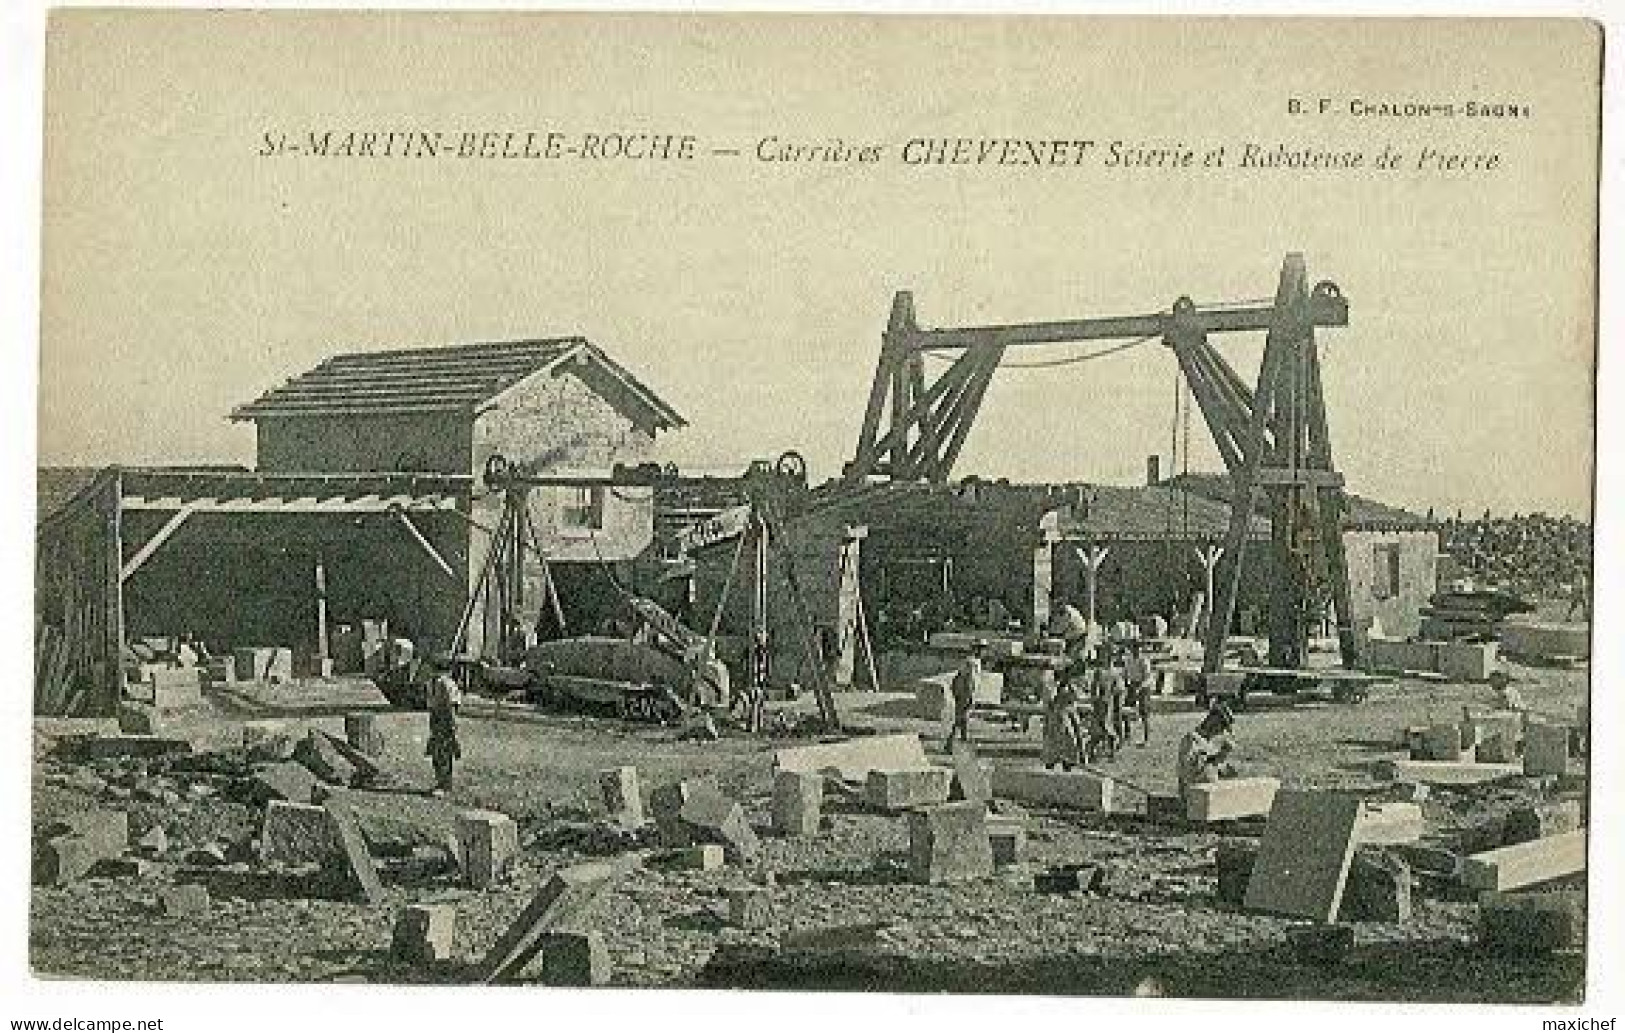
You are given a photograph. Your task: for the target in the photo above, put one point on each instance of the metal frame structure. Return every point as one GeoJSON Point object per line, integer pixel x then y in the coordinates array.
{"type": "Point", "coordinates": [1272, 437]}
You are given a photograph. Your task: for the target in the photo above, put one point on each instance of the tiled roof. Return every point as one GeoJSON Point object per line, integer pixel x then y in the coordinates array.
{"type": "Point", "coordinates": [450, 378]}
{"type": "Point", "coordinates": [1362, 513]}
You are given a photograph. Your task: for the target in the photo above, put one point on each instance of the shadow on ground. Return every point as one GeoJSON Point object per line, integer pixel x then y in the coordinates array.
{"type": "Point", "coordinates": [1433, 971]}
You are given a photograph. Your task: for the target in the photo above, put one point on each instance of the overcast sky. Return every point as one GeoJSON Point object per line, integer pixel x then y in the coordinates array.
{"type": "Point", "coordinates": [184, 274]}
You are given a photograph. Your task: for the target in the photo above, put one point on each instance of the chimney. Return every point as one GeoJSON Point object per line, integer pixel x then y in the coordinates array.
{"type": "Point", "coordinates": [1153, 470]}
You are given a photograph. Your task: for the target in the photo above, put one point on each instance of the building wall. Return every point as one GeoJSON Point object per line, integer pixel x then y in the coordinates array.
{"type": "Point", "coordinates": [1400, 613]}
{"type": "Point", "coordinates": [436, 441]}
{"type": "Point", "coordinates": [556, 421]}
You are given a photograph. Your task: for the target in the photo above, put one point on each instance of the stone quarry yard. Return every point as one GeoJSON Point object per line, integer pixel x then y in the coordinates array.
{"type": "Point", "coordinates": [844, 913]}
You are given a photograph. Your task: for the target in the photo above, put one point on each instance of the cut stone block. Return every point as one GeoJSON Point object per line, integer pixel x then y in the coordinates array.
{"type": "Point", "coordinates": [575, 959]}
{"type": "Point", "coordinates": [1007, 840]}
{"type": "Point", "coordinates": [1527, 824]}
{"type": "Point", "coordinates": [1378, 890]}
{"type": "Point", "coordinates": [1444, 772]}
{"type": "Point", "coordinates": [1163, 808]}
{"type": "Point", "coordinates": [65, 859]}
{"type": "Point", "coordinates": [563, 901]}
{"type": "Point", "coordinates": [1526, 864]}
{"type": "Point", "coordinates": [1230, 798]}
{"type": "Point", "coordinates": [1234, 860]}
{"type": "Point", "coordinates": [1321, 944]}
{"type": "Point", "coordinates": [1480, 728]}
{"type": "Point", "coordinates": [111, 747]}
{"type": "Point", "coordinates": [489, 843]}
{"type": "Point", "coordinates": [358, 876]}
{"type": "Point", "coordinates": [299, 833]}
{"type": "Point", "coordinates": [622, 796]}
{"type": "Point", "coordinates": [1546, 750]}
{"type": "Point", "coordinates": [706, 857]}
{"type": "Point", "coordinates": [798, 803]}
{"type": "Point", "coordinates": [1304, 857]}
{"type": "Point", "coordinates": [1528, 924]}
{"type": "Point", "coordinates": [949, 843]}
{"type": "Point", "coordinates": [853, 759]}
{"type": "Point", "coordinates": [1496, 748]}
{"type": "Point", "coordinates": [107, 831]}
{"type": "Point", "coordinates": [317, 752]}
{"type": "Point", "coordinates": [1466, 661]}
{"type": "Point", "coordinates": [1442, 742]}
{"type": "Point", "coordinates": [750, 907]}
{"type": "Point", "coordinates": [900, 790]}
{"type": "Point", "coordinates": [425, 934]}
{"type": "Point", "coordinates": [1391, 823]}
{"type": "Point", "coordinates": [269, 740]}
{"type": "Point", "coordinates": [973, 777]}
{"type": "Point", "coordinates": [666, 804]}
{"type": "Point", "coordinates": [1078, 789]}
{"type": "Point", "coordinates": [285, 781]}
{"type": "Point", "coordinates": [140, 719]}
{"type": "Point", "coordinates": [713, 818]}
{"type": "Point", "coordinates": [264, 663]}
{"type": "Point", "coordinates": [153, 843]}
{"type": "Point", "coordinates": [362, 733]}
{"type": "Point", "coordinates": [185, 900]}
{"type": "Point", "coordinates": [122, 868]}
{"type": "Point", "coordinates": [1073, 878]}
{"type": "Point", "coordinates": [933, 700]}
{"type": "Point", "coordinates": [1545, 641]}
{"type": "Point", "coordinates": [176, 688]}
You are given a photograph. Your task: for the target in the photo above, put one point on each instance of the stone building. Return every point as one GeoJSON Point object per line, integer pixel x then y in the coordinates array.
{"type": "Point", "coordinates": [367, 505]}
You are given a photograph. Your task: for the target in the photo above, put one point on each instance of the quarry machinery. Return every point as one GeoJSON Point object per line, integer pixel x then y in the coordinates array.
{"type": "Point", "coordinates": [1273, 436]}
{"type": "Point", "coordinates": [655, 667]}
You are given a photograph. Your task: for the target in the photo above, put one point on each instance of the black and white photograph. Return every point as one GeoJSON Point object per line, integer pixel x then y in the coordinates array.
{"type": "Point", "coordinates": [1023, 504]}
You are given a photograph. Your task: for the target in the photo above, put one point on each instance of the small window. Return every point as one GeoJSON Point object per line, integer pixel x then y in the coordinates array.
{"type": "Point", "coordinates": [1385, 570]}
{"type": "Point", "coordinates": [583, 509]}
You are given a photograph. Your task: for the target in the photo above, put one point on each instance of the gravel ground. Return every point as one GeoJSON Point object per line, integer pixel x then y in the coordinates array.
{"type": "Point", "coordinates": [1158, 927]}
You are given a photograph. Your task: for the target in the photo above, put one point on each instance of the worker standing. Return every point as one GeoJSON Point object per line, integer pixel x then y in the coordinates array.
{"type": "Point", "coordinates": [1064, 740]}
{"type": "Point", "coordinates": [1204, 751]}
{"type": "Point", "coordinates": [1137, 678]}
{"type": "Point", "coordinates": [963, 690]}
{"type": "Point", "coordinates": [444, 697]}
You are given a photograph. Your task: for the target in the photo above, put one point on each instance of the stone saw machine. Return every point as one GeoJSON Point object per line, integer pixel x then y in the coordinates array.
{"type": "Point", "coordinates": [653, 667]}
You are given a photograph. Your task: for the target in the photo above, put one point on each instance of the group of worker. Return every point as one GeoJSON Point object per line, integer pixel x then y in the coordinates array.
{"type": "Point", "coordinates": [1090, 713]}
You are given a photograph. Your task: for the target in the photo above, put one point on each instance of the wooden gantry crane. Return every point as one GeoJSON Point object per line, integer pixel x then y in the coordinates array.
{"type": "Point", "coordinates": [1273, 436]}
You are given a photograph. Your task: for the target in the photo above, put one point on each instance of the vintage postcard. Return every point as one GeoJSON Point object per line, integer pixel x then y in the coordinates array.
{"type": "Point", "coordinates": [976, 504]}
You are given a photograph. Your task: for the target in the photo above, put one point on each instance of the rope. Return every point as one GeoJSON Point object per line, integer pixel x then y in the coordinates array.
{"type": "Point", "coordinates": [1070, 360]}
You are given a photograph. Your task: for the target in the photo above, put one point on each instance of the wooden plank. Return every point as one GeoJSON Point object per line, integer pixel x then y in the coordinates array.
{"type": "Point", "coordinates": [561, 902]}
{"type": "Point", "coordinates": [156, 542]}
{"type": "Point", "coordinates": [1526, 864]}
{"type": "Point", "coordinates": [1303, 860]}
